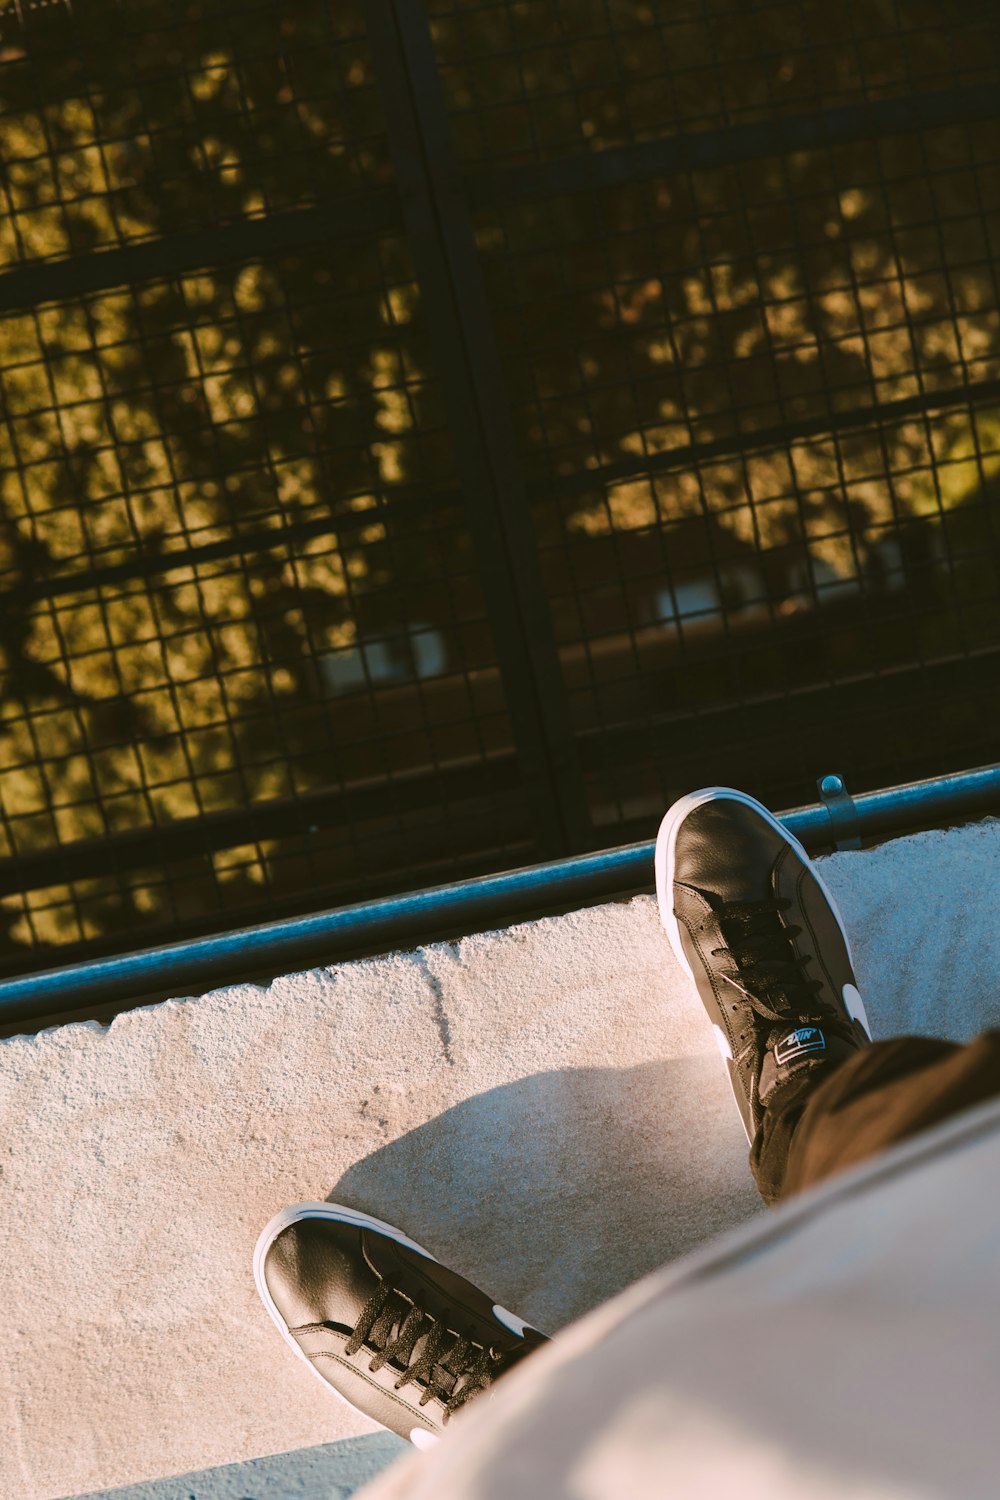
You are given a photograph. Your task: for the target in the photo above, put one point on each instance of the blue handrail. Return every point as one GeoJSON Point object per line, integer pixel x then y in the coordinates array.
{"type": "Point", "coordinates": [466, 906]}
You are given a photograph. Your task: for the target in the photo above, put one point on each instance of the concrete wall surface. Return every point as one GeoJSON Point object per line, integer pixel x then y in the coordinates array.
{"type": "Point", "coordinates": [543, 1108]}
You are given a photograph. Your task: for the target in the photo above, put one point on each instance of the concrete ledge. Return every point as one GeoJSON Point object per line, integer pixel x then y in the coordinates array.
{"type": "Point", "coordinates": [543, 1108]}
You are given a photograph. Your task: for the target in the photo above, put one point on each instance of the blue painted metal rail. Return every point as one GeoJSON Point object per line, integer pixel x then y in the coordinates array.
{"type": "Point", "coordinates": [467, 906]}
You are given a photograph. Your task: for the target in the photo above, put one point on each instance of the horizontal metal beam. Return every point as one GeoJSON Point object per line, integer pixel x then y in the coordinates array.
{"type": "Point", "coordinates": [754, 140]}
{"type": "Point", "coordinates": [401, 503]}
{"type": "Point", "coordinates": [349, 803]}
{"type": "Point", "coordinates": [379, 211]}
{"type": "Point", "coordinates": [409, 499]}
{"type": "Point", "coordinates": [870, 415]}
{"type": "Point", "coordinates": [824, 705]}
{"type": "Point", "coordinates": [351, 218]}
{"type": "Point", "coordinates": [471, 905]}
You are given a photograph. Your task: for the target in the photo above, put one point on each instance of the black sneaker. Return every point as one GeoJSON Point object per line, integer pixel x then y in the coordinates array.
{"type": "Point", "coordinates": [753, 924]}
{"type": "Point", "coordinates": [385, 1327]}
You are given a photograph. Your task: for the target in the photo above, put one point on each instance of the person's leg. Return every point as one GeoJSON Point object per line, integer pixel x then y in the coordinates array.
{"type": "Point", "coordinates": [883, 1094]}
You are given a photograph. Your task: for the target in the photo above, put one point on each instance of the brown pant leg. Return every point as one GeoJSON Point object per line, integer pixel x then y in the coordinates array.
{"type": "Point", "coordinates": [886, 1093]}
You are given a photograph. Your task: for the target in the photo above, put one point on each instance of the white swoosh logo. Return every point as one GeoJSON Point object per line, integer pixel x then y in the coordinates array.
{"type": "Point", "coordinates": [510, 1320]}
{"type": "Point", "coordinates": [855, 1007]}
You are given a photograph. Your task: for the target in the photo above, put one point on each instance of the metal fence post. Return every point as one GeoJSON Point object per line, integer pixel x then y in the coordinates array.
{"type": "Point", "coordinates": [442, 244]}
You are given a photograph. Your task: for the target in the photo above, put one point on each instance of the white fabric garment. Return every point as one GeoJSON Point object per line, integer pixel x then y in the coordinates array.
{"type": "Point", "coordinates": [846, 1344]}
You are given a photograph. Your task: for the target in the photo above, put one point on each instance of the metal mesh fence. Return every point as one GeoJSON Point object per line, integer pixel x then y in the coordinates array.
{"type": "Point", "coordinates": [746, 261]}
{"type": "Point", "coordinates": [431, 440]}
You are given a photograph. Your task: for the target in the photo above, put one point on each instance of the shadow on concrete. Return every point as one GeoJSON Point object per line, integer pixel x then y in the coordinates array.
{"type": "Point", "coordinates": [330, 1471]}
{"type": "Point", "coordinates": [556, 1191]}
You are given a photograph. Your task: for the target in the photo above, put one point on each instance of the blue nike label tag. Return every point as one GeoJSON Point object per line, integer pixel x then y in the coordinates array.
{"type": "Point", "coordinates": [798, 1043]}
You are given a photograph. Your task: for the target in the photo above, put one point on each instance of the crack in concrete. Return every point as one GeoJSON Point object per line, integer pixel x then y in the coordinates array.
{"type": "Point", "coordinates": [440, 1014]}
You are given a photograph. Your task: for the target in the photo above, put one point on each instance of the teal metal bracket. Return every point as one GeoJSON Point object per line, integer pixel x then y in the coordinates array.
{"type": "Point", "coordinates": [842, 809]}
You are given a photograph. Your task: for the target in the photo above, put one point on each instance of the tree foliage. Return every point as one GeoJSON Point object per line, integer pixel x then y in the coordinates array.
{"type": "Point", "coordinates": [241, 399]}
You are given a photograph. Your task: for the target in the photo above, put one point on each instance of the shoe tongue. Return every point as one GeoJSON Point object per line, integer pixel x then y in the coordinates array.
{"type": "Point", "coordinates": [740, 926]}
{"type": "Point", "coordinates": [761, 946]}
{"type": "Point", "coordinates": [795, 1050]}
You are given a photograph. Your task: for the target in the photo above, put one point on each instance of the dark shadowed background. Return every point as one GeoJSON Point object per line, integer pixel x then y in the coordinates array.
{"type": "Point", "coordinates": [434, 434]}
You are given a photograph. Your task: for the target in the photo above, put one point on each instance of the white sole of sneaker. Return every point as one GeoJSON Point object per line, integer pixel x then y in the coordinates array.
{"type": "Point", "coordinates": [664, 860]}
{"type": "Point", "coordinates": [341, 1215]}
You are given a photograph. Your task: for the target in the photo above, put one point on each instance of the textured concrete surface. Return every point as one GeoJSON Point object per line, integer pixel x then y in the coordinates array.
{"type": "Point", "coordinates": [543, 1108]}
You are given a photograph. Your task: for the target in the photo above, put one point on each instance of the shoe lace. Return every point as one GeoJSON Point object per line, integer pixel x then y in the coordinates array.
{"type": "Point", "coordinates": [760, 945]}
{"type": "Point", "coordinates": [445, 1353]}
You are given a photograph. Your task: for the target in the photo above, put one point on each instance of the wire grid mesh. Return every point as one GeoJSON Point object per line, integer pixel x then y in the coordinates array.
{"type": "Point", "coordinates": [755, 376]}
{"type": "Point", "coordinates": [741, 267]}
{"type": "Point", "coordinates": [233, 546]}
{"type": "Point", "coordinates": [532, 83]}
